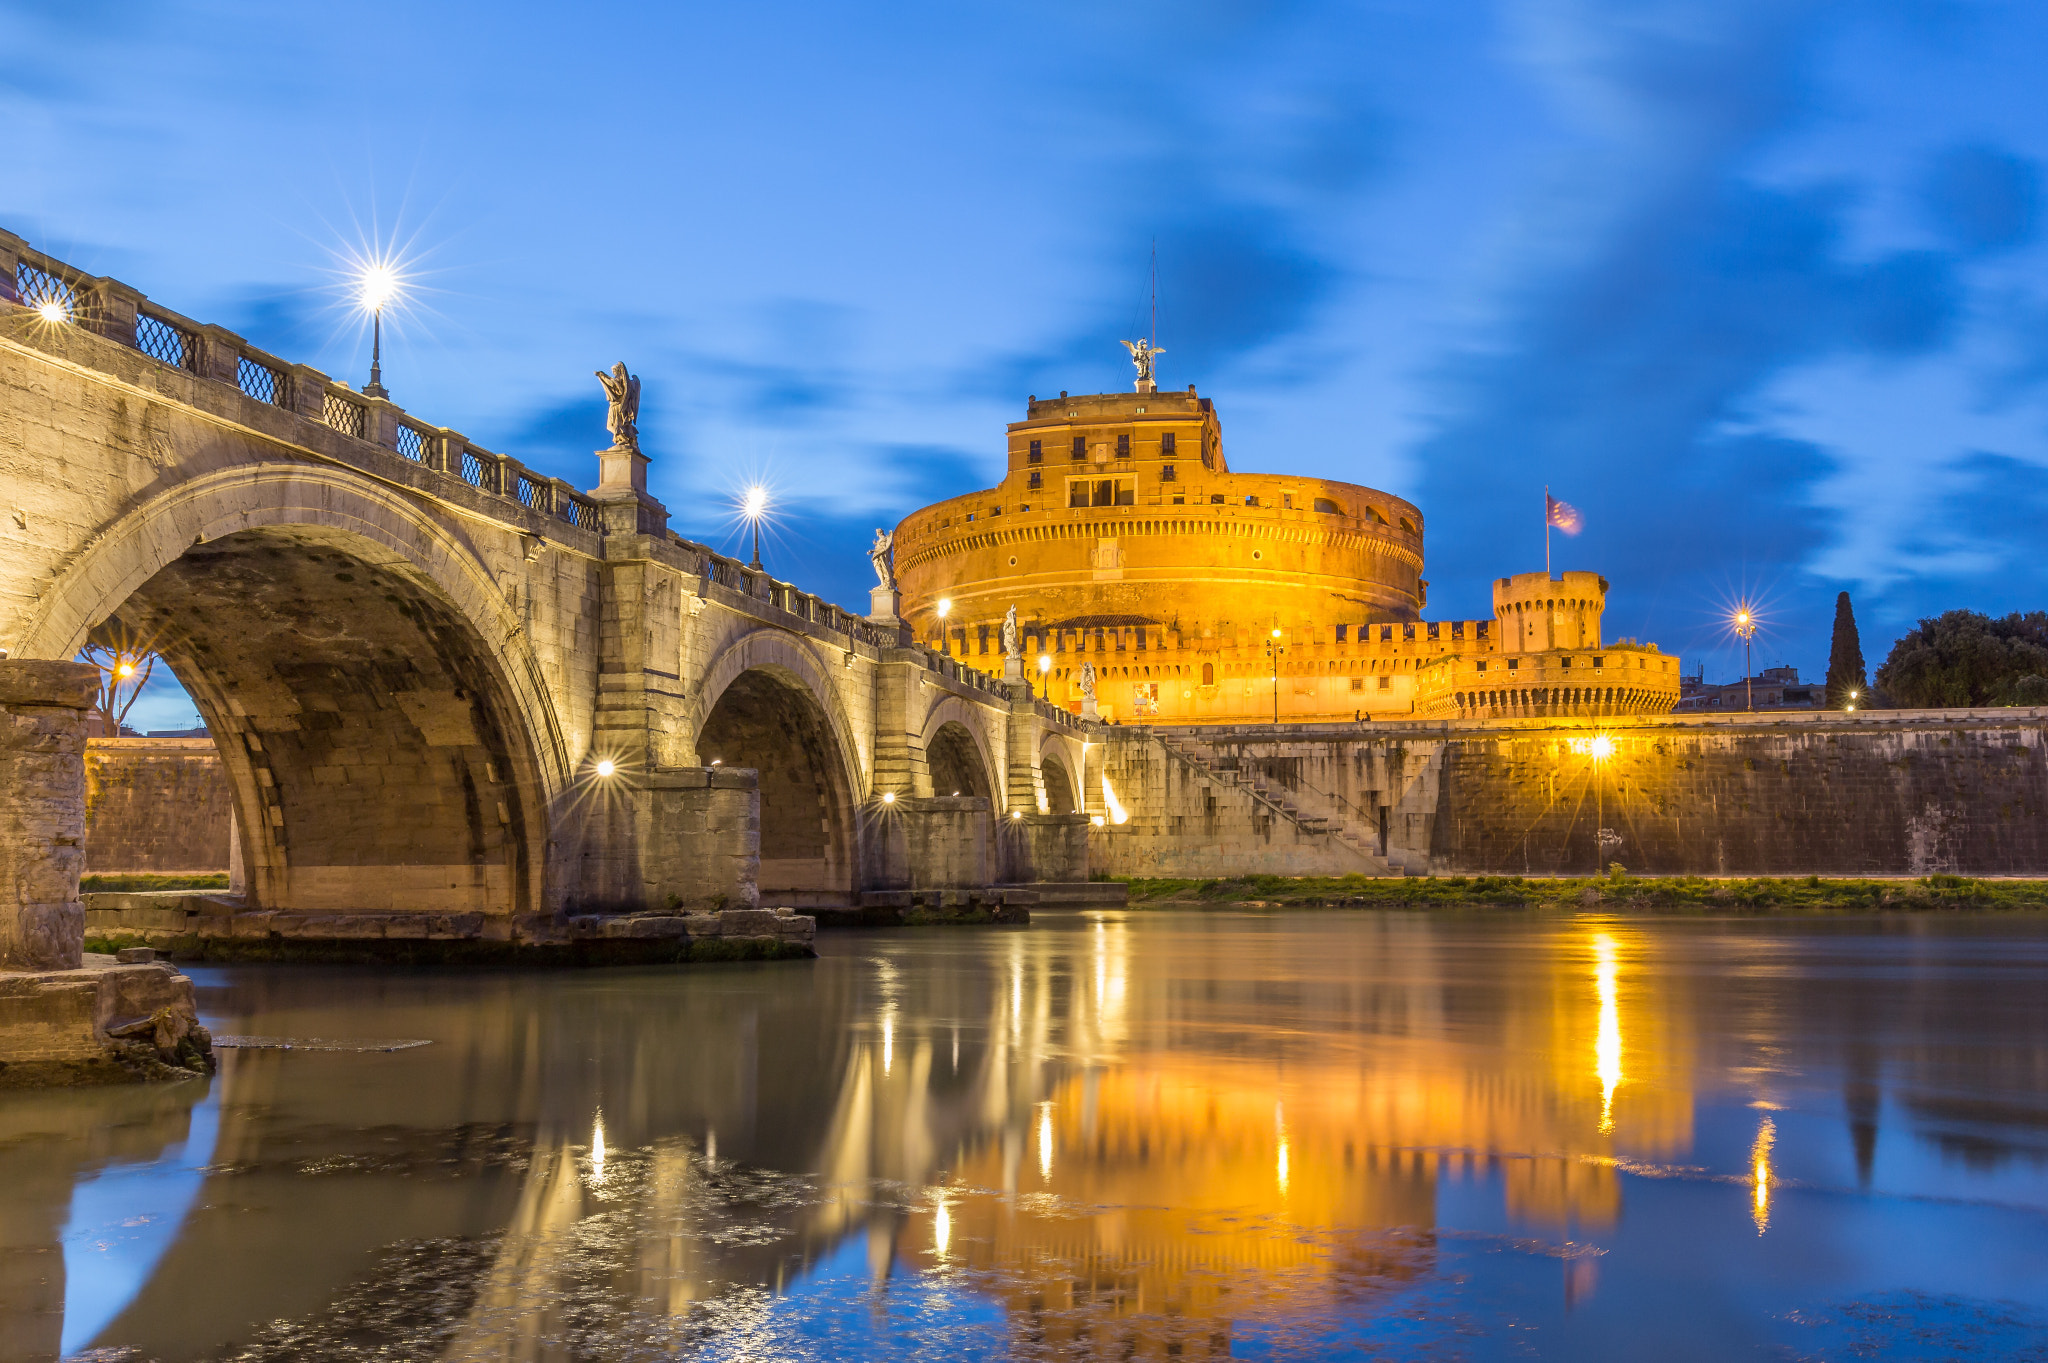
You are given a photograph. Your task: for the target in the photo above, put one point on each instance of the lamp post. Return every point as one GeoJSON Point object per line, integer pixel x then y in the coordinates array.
{"type": "Point", "coordinates": [754, 508]}
{"type": "Point", "coordinates": [1045, 675]}
{"type": "Point", "coordinates": [944, 609]}
{"type": "Point", "coordinates": [1745, 625]}
{"type": "Point", "coordinates": [380, 285]}
{"type": "Point", "coordinates": [1274, 648]}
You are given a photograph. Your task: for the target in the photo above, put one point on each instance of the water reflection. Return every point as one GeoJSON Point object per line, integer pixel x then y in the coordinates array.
{"type": "Point", "coordinates": [1113, 1135]}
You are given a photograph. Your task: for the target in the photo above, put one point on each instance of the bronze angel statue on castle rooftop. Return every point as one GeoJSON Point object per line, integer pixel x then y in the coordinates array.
{"type": "Point", "coordinates": [1142, 355]}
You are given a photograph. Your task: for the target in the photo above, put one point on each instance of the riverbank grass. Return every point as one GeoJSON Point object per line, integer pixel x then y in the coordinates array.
{"type": "Point", "coordinates": [1616, 892]}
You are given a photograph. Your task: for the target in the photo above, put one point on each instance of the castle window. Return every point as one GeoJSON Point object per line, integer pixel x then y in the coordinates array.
{"type": "Point", "coordinates": [1457, 629]}
{"type": "Point", "coordinates": [1599, 662]}
{"type": "Point", "coordinates": [1216, 499]}
{"type": "Point", "coordinates": [1287, 501]}
{"type": "Point", "coordinates": [1166, 445]}
{"type": "Point", "coordinates": [1386, 682]}
{"type": "Point", "coordinates": [1123, 446]}
{"type": "Point", "coordinates": [1166, 473]}
{"type": "Point", "coordinates": [1077, 492]}
{"type": "Point", "coordinates": [1080, 447]}
{"type": "Point", "coordinates": [1372, 513]}
{"type": "Point", "coordinates": [970, 515]}
{"type": "Point", "coordinates": [1340, 632]}
{"type": "Point", "coordinates": [1358, 683]}
{"type": "Point", "coordinates": [1251, 501]}
{"type": "Point", "coordinates": [1386, 634]}
{"type": "Point", "coordinates": [1482, 664]}
{"type": "Point", "coordinates": [1432, 629]}
{"type": "Point", "coordinates": [1037, 481]}
{"type": "Point", "coordinates": [1208, 674]}
{"type": "Point", "coordinates": [1514, 664]}
{"type": "Point", "coordinates": [995, 511]}
{"type": "Point", "coordinates": [1567, 663]}
{"type": "Point", "coordinates": [1037, 452]}
{"type": "Point", "coordinates": [1180, 501]}
{"type": "Point", "coordinates": [1328, 507]}
{"type": "Point", "coordinates": [1408, 525]}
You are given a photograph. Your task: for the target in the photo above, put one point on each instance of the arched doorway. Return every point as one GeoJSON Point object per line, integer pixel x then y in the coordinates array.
{"type": "Point", "coordinates": [954, 761]}
{"type": "Point", "coordinates": [378, 758]}
{"type": "Point", "coordinates": [770, 722]}
{"type": "Point", "coordinates": [1059, 787]}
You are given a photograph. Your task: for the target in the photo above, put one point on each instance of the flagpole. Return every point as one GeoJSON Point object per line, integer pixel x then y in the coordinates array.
{"type": "Point", "coordinates": [1546, 532]}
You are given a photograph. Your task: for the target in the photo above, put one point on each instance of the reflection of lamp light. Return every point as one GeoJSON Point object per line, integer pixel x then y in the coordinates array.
{"type": "Point", "coordinates": [1607, 1045]}
{"type": "Point", "coordinates": [1760, 1167]}
{"type": "Point", "coordinates": [1602, 748]}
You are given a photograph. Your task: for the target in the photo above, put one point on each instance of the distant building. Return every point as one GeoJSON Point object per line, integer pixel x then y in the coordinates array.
{"type": "Point", "coordinates": [1774, 688]}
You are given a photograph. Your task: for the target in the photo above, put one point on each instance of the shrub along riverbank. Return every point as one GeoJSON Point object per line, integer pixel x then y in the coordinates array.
{"type": "Point", "coordinates": [1617, 892]}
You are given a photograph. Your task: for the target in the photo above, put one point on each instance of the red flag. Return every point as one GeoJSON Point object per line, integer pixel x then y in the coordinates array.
{"type": "Point", "coordinates": [1561, 515]}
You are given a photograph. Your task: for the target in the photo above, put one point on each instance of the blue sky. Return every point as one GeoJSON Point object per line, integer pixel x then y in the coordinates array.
{"type": "Point", "coordinates": [1754, 283]}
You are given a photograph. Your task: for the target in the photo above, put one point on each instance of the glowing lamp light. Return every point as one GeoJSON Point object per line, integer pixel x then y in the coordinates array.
{"type": "Point", "coordinates": [756, 504]}
{"type": "Point", "coordinates": [889, 798]}
{"type": "Point", "coordinates": [53, 312]}
{"type": "Point", "coordinates": [1097, 821]}
{"type": "Point", "coordinates": [1016, 814]}
{"type": "Point", "coordinates": [124, 668]}
{"type": "Point", "coordinates": [1601, 748]}
{"type": "Point", "coordinates": [1045, 662]}
{"type": "Point", "coordinates": [1276, 634]}
{"type": "Point", "coordinates": [945, 607]}
{"type": "Point", "coordinates": [377, 286]}
{"type": "Point", "coordinates": [605, 766]}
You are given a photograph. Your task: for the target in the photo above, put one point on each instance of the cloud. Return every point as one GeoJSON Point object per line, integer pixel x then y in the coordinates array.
{"type": "Point", "coordinates": [1624, 354]}
{"type": "Point", "coordinates": [1982, 198]}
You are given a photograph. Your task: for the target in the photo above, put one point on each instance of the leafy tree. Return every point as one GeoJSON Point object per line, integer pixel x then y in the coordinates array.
{"type": "Point", "coordinates": [1845, 660]}
{"type": "Point", "coordinates": [1962, 658]}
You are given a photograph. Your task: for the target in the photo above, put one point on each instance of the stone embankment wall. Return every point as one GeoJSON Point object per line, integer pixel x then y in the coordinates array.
{"type": "Point", "coordinates": [1881, 793]}
{"type": "Point", "coordinates": [155, 804]}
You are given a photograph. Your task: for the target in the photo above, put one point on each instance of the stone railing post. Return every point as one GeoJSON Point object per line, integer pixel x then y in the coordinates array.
{"type": "Point", "coordinates": [380, 423]}
{"type": "Point", "coordinates": [220, 351]}
{"type": "Point", "coordinates": [11, 248]}
{"type": "Point", "coordinates": [444, 451]}
{"type": "Point", "coordinates": [308, 392]}
{"type": "Point", "coordinates": [110, 307]}
{"type": "Point", "coordinates": [42, 812]}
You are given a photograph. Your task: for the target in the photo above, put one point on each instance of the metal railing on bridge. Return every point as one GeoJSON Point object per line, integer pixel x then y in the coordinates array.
{"type": "Point", "coordinates": [109, 308]}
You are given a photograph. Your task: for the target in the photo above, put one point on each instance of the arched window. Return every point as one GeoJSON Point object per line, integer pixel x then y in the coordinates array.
{"type": "Point", "coordinates": [1408, 525]}
{"type": "Point", "coordinates": [1208, 674]}
{"type": "Point", "coordinates": [1328, 507]}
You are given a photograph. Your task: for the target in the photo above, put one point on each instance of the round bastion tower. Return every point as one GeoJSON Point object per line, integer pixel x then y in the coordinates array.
{"type": "Point", "coordinates": [1203, 595]}
{"type": "Point", "coordinates": [1122, 537]}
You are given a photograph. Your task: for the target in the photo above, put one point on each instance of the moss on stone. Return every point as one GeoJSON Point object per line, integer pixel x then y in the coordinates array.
{"type": "Point", "coordinates": [1617, 892]}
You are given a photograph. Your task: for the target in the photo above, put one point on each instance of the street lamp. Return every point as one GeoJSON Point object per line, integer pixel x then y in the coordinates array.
{"type": "Point", "coordinates": [1850, 708]}
{"type": "Point", "coordinates": [754, 508]}
{"type": "Point", "coordinates": [1274, 648]}
{"type": "Point", "coordinates": [1745, 625]}
{"type": "Point", "coordinates": [379, 285]}
{"type": "Point", "coordinates": [1045, 675]}
{"type": "Point", "coordinates": [944, 609]}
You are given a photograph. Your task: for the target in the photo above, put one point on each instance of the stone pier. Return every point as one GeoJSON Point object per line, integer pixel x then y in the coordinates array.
{"type": "Point", "coordinates": [63, 1020]}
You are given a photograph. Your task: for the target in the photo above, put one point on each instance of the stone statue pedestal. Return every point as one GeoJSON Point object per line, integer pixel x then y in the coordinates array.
{"type": "Point", "coordinates": [1088, 710]}
{"type": "Point", "coordinates": [1147, 386]}
{"type": "Point", "coordinates": [622, 491]}
{"type": "Point", "coordinates": [883, 604]}
{"type": "Point", "coordinates": [1013, 668]}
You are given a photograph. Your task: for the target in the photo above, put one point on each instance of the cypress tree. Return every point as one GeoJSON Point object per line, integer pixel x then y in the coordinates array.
{"type": "Point", "coordinates": [1845, 660]}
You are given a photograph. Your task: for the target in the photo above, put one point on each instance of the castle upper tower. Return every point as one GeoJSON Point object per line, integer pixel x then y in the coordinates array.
{"type": "Point", "coordinates": [1538, 612]}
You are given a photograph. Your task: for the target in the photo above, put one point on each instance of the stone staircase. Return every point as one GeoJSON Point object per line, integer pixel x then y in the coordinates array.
{"type": "Point", "coordinates": [1284, 804]}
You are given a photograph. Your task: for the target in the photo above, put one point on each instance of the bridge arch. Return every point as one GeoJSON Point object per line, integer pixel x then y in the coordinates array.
{"type": "Point", "coordinates": [1060, 768]}
{"type": "Point", "coordinates": [384, 728]}
{"type": "Point", "coordinates": [768, 703]}
{"type": "Point", "coordinates": [956, 753]}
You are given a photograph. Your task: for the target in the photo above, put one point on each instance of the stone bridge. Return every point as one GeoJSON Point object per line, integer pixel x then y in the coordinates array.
{"type": "Point", "coordinates": [417, 656]}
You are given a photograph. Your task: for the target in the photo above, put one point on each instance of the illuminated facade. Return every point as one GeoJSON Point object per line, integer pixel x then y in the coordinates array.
{"type": "Point", "coordinates": [1122, 537]}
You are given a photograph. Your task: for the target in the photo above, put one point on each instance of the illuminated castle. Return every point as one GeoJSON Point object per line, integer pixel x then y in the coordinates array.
{"type": "Point", "coordinates": [1122, 537]}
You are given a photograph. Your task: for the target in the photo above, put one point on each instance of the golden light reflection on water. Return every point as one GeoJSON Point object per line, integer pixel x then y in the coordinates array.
{"type": "Point", "coordinates": [1607, 1046]}
{"type": "Point", "coordinates": [1760, 1173]}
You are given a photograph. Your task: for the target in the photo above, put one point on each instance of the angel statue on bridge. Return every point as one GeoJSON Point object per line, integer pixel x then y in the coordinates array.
{"type": "Point", "coordinates": [1013, 647]}
{"type": "Point", "coordinates": [1142, 355]}
{"type": "Point", "coordinates": [622, 391]}
{"type": "Point", "coordinates": [1088, 680]}
{"type": "Point", "coordinates": [880, 556]}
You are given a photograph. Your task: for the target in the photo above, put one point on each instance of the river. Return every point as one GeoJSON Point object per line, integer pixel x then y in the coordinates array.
{"type": "Point", "coordinates": [1111, 1135]}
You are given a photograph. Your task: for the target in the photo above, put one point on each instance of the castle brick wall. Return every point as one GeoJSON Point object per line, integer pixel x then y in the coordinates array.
{"type": "Point", "coordinates": [155, 804]}
{"type": "Point", "coordinates": [1876, 793]}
